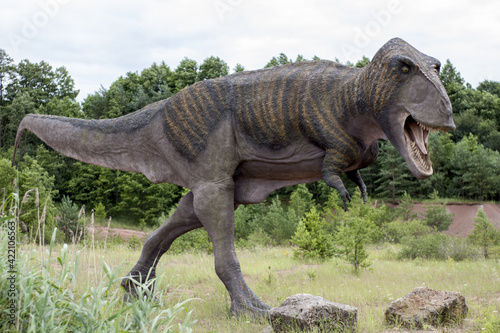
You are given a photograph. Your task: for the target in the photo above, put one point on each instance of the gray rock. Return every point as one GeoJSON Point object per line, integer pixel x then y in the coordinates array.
{"type": "Point", "coordinates": [303, 312]}
{"type": "Point", "coordinates": [268, 329]}
{"type": "Point", "coordinates": [427, 306]}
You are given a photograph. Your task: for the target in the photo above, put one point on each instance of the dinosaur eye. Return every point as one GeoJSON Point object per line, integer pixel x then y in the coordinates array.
{"type": "Point", "coordinates": [405, 69]}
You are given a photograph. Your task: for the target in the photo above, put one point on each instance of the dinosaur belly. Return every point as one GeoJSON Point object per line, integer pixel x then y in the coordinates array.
{"type": "Point", "coordinates": [266, 171]}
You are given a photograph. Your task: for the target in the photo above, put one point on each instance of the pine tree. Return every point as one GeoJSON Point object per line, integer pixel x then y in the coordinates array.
{"type": "Point", "coordinates": [484, 234]}
{"type": "Point", "coordinates": [311, 239]}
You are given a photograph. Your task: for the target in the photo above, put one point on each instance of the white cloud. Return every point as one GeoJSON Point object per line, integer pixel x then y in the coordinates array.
{"type": "Point", "coordinates": [100, 40]}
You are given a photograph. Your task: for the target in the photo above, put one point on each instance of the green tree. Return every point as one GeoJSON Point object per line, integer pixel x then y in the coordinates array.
{"type": "Point", "coordinates": [278, 222]}
{"type": "Point", "coordinates": [393, 173]}
{"type": "Point", "coordinates": [12, 114]}
{"type": "Point", "coordinates": [301, 200]}
{"type": "Point", "coordinates": [358, 228]}
{"type": "Point", "coordinates": [282, 59]}
{"type": "Point", "coordinates": [311, 239]}
{"type": "Point", "coordinates": [450, 75]}
{"type": "Point", "coordinates": [184, 75]}
{"type": "Point", "coordinates": [68, 220]}
{"type": "Point", "coordinates": [475, 169]}
{"type": "Point", "coordinates": [6, 71]}
{"type": "Point", "coordinates": [239, 68]}
{"type": "Point", "coordinates": [154, 81]}
{"type": "Point", "coordinates": [42, 82]}
{"type": "Point", "coordinates": [493, 87]}
{"type": "Point", "coordinates": [484, 234]}
{"type": "Point", "coordinates": [404, 210]}
{"type": "Point", "coordinates": [37, 208]}
{"type": "Point", "coordinates": [363, 62]}
{"type": "Point", "coordinates": [7, 176]}
{"type": "Point", "coordinates": [142, 200]}
{"type": "Point", "coordinates": [212, 68]}
{"type": "Point", "coordinates": [437, 217]}
{"type": "Point", "coordinates": [100, 212]}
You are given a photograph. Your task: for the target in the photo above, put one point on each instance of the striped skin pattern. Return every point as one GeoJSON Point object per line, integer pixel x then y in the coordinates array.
{"type": "Point", "coordinates": [275, 107]}
{"type": "Point", "coordinates": [280, 105]}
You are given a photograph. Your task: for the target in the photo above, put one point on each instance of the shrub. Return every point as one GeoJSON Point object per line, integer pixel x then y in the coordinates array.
{"type": "Point", "coordinates": [258, 238]}
{"type": "Point", "coordinates": [426, 247]}
{"type": "Point", "coordinates": [395, 231]}
{"type": "Point", "coordinates": [484, 234]}
{"type": "Point", "coordinates": [68, 221]}
{"type": "Point", "coordinates": [246, 219]}
{"type": "Point", "coordinates": [405, 208]}
{"type": "Point", "coordinates": [134, 243]}
{"type": "Point", "coordinates": [279, 223]}
{"type": "Point", "coordinates": [311, 239]}
{"type": "Point", "coordinates": [301, 200]}
{"type": "Point", "coordinates": [197, 240]}
{"type": "Point", "coordinates": [100, 212]}
{"type": "Point", "coordinates": [437, 246]}
{"type": "Point", "coordinates": [358, 228]}
{"type": "Point", "coordinates": [437, 217]}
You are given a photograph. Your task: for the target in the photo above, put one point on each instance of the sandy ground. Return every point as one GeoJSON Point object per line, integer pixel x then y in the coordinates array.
{"type": "Point", "coordinates": [125, 234]}
{"type": "Point", "coordinates": [463, 222]}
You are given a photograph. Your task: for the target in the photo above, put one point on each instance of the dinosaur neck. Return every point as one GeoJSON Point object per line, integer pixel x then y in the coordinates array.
{"type": "Point", "coordinates": [353, 100]}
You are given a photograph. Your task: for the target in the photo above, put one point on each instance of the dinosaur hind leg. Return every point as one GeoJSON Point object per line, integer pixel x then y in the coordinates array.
{"type": "Point", "coordinates": [159, 241]}
{"type": "Point", "coordinates": [355, 177]}
{"type": "Point", "coordinates": [214, 205]}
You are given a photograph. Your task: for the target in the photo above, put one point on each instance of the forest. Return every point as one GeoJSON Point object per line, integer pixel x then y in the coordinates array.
{"type": "Point", "coordinates": [466, 161]}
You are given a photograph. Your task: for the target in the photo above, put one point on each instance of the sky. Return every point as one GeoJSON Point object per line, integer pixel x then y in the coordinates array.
{"type": "Point", "coordinates": [100, 40]}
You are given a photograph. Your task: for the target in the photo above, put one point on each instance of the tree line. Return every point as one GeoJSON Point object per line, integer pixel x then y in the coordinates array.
{"type": "Point", "coordinates": [466, 161]}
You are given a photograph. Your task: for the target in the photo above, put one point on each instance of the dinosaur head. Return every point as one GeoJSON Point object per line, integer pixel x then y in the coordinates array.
{"type": "Point", "coordinates": [412, 101]}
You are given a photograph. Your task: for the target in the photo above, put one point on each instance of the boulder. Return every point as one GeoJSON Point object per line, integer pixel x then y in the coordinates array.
{"type": "Point", "coordinates": [303, 312]}
{"type": "Point", "coordinates": [424, 306]}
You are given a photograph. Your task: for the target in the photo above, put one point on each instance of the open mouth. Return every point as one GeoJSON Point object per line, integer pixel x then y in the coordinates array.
{"type": "Point", "coordinates": [416, 138]}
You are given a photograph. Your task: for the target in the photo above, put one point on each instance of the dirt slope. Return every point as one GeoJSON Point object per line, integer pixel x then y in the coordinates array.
{"type": "Point", "coordinates": [463, 223]}
{"type": "Point", "coordinates": [100, 233]}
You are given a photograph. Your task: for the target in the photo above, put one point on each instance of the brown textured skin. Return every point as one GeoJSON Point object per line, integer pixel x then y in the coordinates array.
{"type": "Point", "coordinates": [236, 139]}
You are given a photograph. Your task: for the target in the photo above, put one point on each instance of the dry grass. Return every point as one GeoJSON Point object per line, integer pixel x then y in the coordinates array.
{"type": "Point", "coordinates": [274, 275]}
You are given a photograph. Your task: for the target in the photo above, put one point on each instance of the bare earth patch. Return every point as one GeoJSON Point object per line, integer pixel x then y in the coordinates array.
{"type": "Point", "coordinates": [463, 222]}
{"type": "Point", "coordinates": [125, 234]}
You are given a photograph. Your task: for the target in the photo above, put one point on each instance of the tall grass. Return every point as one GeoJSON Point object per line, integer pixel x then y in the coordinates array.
{"type": "Point", "coordinates": [53, 293]}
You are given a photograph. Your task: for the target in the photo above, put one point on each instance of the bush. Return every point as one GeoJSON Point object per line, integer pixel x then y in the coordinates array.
{"type": "Point", "coordinates": [301, 200]}
{"type": "Point", "coordinates": [437, 217]}
{"type": "Point", "coordinates": [426, 247]}
{"type": "Point", "coordinates": [404, 210]}
{"type": "Point", "coordinates": [68, 221]}
{"type": "Point", "coordinates": [100, 212]}
{"type": "Point", "coordinates": [484, 234]}
{"type": "Point", "coordinates": [395, 231]}
{"type": "Point", "coordinates": [134, 243]}
{"type": "Point", "coordinates": [258, 238]}
{"type": "Point", "coordinates": [437, 246]}
{"type": "Point", "coordinates": [358, 228]}
{"type": "Point", "coordinates": [246, 219]}
{"type": "Point", "coordinates": [197, 240]}
{"type": "Point", "coordinates": [311, 239]}
{"type": "Point", "coordinates": [279, 223]}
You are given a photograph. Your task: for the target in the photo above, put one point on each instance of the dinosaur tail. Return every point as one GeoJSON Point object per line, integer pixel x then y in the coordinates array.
{"type": "Point", "coordinates": [110, 143]}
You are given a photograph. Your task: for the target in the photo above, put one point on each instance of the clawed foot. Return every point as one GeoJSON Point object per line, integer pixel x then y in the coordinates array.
{"type": "Point", "coordinates": [260, 312]}
{"type": "Point", "coordinates": [137, 284]}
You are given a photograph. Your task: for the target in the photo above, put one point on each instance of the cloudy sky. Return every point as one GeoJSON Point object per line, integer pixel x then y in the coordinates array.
{"type": "Point", "coordinates": [98, 41]}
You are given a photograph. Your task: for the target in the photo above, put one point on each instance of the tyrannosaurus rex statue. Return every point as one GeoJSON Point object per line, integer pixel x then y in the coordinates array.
{"type": "Point", "coordinates": [235, 139]}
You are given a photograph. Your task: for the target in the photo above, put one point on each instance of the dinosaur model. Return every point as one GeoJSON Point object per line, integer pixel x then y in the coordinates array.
{"type": "Point", "coordinates": [235, 139]}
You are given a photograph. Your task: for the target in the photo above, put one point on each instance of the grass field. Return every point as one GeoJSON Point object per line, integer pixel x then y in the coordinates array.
{"type": "Point", "coordinates": [274, 274]}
